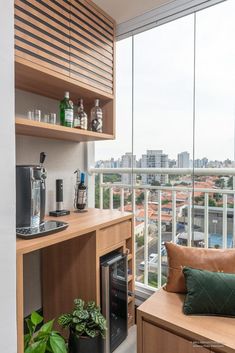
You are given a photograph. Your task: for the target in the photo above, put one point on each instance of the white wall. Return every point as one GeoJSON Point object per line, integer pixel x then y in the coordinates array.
{"type": "Point", "coordinates": [7, 182]}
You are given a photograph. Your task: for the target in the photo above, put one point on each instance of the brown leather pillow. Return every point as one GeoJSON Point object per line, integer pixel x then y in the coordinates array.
{"type": "Point", "coordinates": [216, 260]}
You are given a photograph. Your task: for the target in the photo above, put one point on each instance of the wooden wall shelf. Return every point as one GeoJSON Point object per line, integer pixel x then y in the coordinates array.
{"type": "Point", "coordinates": [57, 132]}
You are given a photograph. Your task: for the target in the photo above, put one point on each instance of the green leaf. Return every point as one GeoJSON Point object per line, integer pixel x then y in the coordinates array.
{"type": "Point", "coordinates": [47, 328]}
{"type": "Point", "coordinates": [65, 320]}
{"type": "Point", "coordinates": [90, 306]}
{"type": "Point", "coordinates": [30, 326]}
{"type": "Point", "coordinates": [79, 304]}
{"type": "Point", "coordinates": [80, 327]}
{"type": "Point", "coordinates": [76, 320]}
{"type": "Point", "coordinates": [81, 314]}
{"type": "Point", "coordinates": [36, 318]}
{"type": "Point", "coordinates": [37, 347]}
{"type": "Point", "coordinates": [27, 338]}
{"type": "Point", "coordinates": [57, 344]}
{"type": "Point", "coordinates": [91, 333]}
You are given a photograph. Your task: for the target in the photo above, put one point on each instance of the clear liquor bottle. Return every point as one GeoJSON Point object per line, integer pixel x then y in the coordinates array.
{"type": "Point", "coordinates": [97, 117]}
{"type": "Point", "coordinates": [66, 111]}
{"type": "Point", "coordinates": [82, 116]}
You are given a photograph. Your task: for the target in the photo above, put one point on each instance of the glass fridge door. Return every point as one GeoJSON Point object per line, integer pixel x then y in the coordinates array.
{"type": "Point", "coordinates": [118, 302]}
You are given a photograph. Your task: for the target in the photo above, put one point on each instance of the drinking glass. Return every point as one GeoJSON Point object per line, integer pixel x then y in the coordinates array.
{"type": "Point", "coordinates": [37, 115]}
{"type": "Point", "coordinates": [52, 118]}
{"type": "Point", "coordinates": [30, 115]}
{"type": "Point", "coordinates": [46, 118]}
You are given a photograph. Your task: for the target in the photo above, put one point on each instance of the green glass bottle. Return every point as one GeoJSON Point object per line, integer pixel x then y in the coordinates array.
{"type": "Point", "coordinates": [66, 111]}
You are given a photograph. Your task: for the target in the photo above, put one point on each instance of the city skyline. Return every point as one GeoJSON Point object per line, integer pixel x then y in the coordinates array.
{"type": "Point", "coordinates": [117, 162]}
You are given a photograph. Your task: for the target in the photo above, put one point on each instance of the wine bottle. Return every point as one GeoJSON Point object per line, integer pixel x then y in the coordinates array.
{"type": "Point", "coordinates": [81, 193]}
{"type": "Point", "coordinates": [97, 117]}
{"type": "Point", "coordinates": [66, 111]}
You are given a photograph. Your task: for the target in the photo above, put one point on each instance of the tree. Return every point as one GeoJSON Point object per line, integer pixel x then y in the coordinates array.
{"type": "Point", "coordinates": [140, 240]}
{"type": "Point", "coordinates": [212, 202]}
{"type": "Point", "coordinates": [230, 182]}
{"type": "Point", "coordinates": [198, 199]}
{"type": "Point", "coordinates": [155, 183]}
{"type": "Point", "coordinates": [220, 183]}
{"type": "Point", "coordinates": [112, 178]}
{"type": "Point", "coordinates": [165, 202]}
{"type": "Point", "coordinates": [140, 199]}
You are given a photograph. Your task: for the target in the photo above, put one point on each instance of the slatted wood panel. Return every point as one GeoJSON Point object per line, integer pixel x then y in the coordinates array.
{"type": "Point", "coordinates": [91, 45]}
{"type": "Point", "coordinates": [72, 37]}
{"type": "Point", "coordinates": [42, 33]}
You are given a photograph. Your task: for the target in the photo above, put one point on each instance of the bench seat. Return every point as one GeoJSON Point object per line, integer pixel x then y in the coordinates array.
{"type": "Point", "coordinates": [163, 328]}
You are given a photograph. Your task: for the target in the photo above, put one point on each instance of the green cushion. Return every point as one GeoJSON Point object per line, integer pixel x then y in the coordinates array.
{"type": "Point", "coordinates": [209, 293]}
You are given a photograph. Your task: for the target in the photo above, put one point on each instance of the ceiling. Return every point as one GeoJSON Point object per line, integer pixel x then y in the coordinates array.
{"type": "Point", "coordinates": [124, 10]}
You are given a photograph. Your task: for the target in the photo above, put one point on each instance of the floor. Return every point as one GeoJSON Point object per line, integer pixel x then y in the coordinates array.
{"type": "Point", "coordinates": [129, 345]}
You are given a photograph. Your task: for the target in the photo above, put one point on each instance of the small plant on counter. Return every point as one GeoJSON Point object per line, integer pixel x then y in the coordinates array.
{"type": "Point", "coordinates": [44, 340]}
{"type": "Point", "coordinates": [87, 327]}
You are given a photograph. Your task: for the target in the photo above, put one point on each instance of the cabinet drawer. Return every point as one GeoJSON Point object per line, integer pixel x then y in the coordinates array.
{"type": "Point", "coordinates": [112, 235]}
{"type": "Point", "coordinates": [157, 340]}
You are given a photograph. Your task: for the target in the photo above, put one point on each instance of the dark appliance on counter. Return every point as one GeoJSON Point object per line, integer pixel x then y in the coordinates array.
{"type": "Point", "coordinates": [114, 298]}
{"type": "Point", "coordinates": [59, 201]}
{"type": "Point", "coordinates": [30, 202]}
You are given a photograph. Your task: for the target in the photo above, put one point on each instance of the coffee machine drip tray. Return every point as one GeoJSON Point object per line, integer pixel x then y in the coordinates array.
{"type": "Point", "coordinates": [46, 228]}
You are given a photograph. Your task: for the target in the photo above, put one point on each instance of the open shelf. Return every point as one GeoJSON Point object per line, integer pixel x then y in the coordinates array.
{"type": "Point", "coordinates": [57, 132]}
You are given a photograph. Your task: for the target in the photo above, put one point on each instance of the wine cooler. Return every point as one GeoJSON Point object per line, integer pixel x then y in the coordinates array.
{"type": "Point", "coordinates": [114, 298]}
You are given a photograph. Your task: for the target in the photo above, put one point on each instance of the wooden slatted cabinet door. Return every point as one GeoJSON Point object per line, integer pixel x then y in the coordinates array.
{"type": "Point", "coordinates": [42, 33]}
{"type": "Point", "coordinates": [91, 46]}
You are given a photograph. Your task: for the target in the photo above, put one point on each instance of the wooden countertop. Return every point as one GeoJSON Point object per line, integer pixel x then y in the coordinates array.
{"type": "Point", "coordinates": [164, 309]}
{"type": "Point", "coordinates": [79, 224]}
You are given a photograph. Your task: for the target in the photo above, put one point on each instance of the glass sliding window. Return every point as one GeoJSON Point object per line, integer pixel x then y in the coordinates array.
{"type": "Point", "coordinates": [163, 138]}
{"type": "Point", "coordinates": [214, 124]}
{"type": "Point", "coordinates": [175, 110]}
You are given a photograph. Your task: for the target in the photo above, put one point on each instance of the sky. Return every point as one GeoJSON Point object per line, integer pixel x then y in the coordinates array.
{"type": "Point", "coordinates": [163, 88]}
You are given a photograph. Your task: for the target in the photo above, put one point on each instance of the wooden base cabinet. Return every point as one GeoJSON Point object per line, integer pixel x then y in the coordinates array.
{"type": "Point", "coordinates": [157, 340]}
{"type": "Point", "coordinates": [71, 262]}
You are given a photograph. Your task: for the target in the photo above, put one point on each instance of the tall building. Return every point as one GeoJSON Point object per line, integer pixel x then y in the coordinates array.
{"type": "Point", "coordinates": [204, 162]}
{"type": "Point", "coordinates": [164, 164]}
{"type": "Point", "coordinates": [128, 160]}
{"type": "Point", "coordinates": [183, 160]}
{"type": "Point", "coordinates": [154, 159]}
{"type": "Point", "coordinates": [198, 163]}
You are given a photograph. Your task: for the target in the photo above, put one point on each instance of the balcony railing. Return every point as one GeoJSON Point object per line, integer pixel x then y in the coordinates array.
{"type": "Point", "coordinates": [186, 213]}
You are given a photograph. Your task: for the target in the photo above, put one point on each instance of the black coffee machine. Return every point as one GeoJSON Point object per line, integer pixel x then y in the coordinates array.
{"type": "Point", "coordinates": [30, 194]}
{"type": "Point", "coordinates": [30, 202]}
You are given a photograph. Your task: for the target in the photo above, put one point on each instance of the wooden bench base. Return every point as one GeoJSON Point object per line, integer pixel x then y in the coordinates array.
{"type": "Point", "coordinates": [163, 328]}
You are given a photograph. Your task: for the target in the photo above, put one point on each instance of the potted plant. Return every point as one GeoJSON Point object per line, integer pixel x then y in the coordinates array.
{"type": "Point", "coordinates": [43, 340]}
{"type": "Point", "coordinates": [87, 328]}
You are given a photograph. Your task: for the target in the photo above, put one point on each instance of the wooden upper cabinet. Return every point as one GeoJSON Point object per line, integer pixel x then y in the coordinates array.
{"type": "Point", "coordinates": [91, 45]}
{"type": "Point", "coordinates": [42, 33]}
{"type": "Point", "coordinates": [72, 38]}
